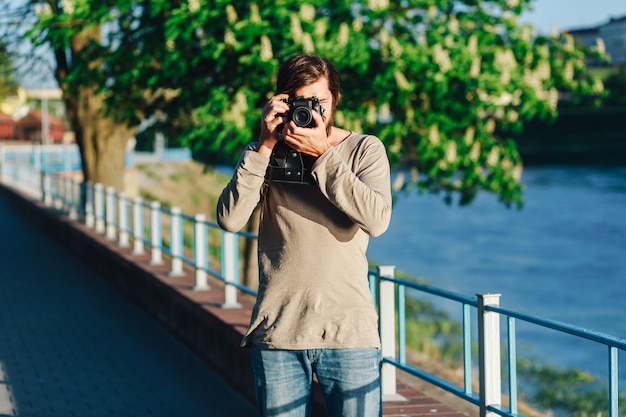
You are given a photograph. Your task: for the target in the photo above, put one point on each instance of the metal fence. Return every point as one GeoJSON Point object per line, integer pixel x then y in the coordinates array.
{"type": "Point", "coordinates": [210, 251]}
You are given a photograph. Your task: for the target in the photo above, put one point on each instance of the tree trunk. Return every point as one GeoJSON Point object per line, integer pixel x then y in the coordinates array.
{"type": "Point", "coordinates": [101, 140]}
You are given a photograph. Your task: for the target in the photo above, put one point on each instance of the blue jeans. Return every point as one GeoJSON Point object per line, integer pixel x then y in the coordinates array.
{"type": "Point", "coordinates": [349, 378]}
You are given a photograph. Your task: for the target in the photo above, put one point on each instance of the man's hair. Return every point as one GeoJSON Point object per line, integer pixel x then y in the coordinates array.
{"type": "Point", "coordinates": [302, 70]}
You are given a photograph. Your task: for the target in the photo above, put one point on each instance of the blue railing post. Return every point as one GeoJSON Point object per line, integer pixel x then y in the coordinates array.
{"type": "Point", "coordinates": [230, 269]}
{"type": "Point", "coordinates": [46, 189]}
{"type": "Point", "coordinates": [512, 347]}
{"type": "Point", "coordinates": [123, 238]}
{"type": "Point", "coordinates": [467, 350]}
{"type": "Point", "coordinates": [489, 354]}
{"type": "Point", "coordinates": [90, 220]}
{"type": "Point", "coordinates": [613, 382]}
{"type": "Point", "coordinates": [110, 213]}
{"type": "Point", "coordinates": [401, 290]}
{"type": "Point", "coordinates": [137, 226]}
{"type": "Point", "coordinates": [73, 202]}
{"type": "Point", "coordinates": [155, 233]}
{"type": "Point", "coordinates": [99, 207]}
{"type": "Point", "coordinates": [176, 242]}
{"type": "Point", "coordinates": [200, 252]}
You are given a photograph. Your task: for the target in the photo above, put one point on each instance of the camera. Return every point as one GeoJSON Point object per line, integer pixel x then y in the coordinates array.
{"type": "Point", "coordinates": [288, 165]}
{"type": "Point", "coordinates": [300, 110]}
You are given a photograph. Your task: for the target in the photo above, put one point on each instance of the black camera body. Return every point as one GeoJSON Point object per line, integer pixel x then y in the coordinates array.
{"type": "Point", "coordinates": [286, 164]}
{"type": "Point", "coordinates": [300, 110]}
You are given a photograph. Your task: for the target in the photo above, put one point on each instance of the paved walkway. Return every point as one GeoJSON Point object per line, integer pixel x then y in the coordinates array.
{"type": "Point", "coordinates": [72, 345]}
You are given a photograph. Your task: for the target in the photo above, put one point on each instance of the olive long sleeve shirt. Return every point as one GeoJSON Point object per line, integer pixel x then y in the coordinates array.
{"type": "Point", "coordinates": [313, 288]}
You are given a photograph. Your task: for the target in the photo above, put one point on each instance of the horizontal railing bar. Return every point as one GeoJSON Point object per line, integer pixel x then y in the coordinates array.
{"type": "Point", "coordinates": [595, 336]}
{"type": "Point", "coordinates": [434, 291]}
{"type": "Point", "coordinates": [439, 382]}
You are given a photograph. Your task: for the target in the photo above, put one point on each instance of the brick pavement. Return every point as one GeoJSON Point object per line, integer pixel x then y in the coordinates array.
{"type": "Point", "coordinates": [194, 317]}
{"type": "Point", "coordinates": [72, 345]}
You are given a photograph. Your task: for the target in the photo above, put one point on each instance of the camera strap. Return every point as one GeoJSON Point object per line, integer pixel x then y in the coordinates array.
{"type": "Point", "coordinates": [288, 165]}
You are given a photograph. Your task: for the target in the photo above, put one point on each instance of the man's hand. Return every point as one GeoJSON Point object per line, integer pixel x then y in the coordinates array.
{"type": "Point", "coordinates": [310, 141]}
{"type": "Point", "coordinates": [274, 114]}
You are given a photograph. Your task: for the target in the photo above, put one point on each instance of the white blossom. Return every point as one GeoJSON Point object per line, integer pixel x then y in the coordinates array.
{"type": "Point", "coordinates": [371, 116]}
{"type": "Point", "coordinates": [472, 44]}
{"type": "Point", "coordinates": [453, 24]}
{"type": "Point", "coordinates": [527, 33]}
{"type": "Point", "coordinates": [475, 152]}
{"type": "Point", "coordinates": [469, 135]}
{"type": "Point", "coordinates": [357, 24]}
{"type": "Point", "coordinates": [194, 6]}
{"type": "Point", "coordinates": [442, 58]}
{"type": "Point", "coordinates": [266, 49]}
{"type": "Point", "coordinates": [401, 81]}
{"type": "Point", "coordinates": [307, 44]}
{"type": "Point", "coordinates": [68, 6]}
{"type": "Point", "coordinates": [320, 27]}
{"type": "Point", "coordinates": [170, 45]}
{"type": "Point", "coordinates": [229, 38]}
{"type": "Point", "coordinates": [239, 109]}
{"type": "Point", "coordinates": [553, 98]}
{"type": "Point", "coordinates": [432, 12]}
{"type": "Point", "coordinates": [517, 172]}
{"type": "Point", "coordinates": [296, 28]}
{"type": "Point", "coordinates": [307, 12]}
{"type": "Point", "coordinates": [378, 5]}
{"type": "Point", "coordinates": [255, 17]}
{"type": "Point", "coordinates": [568, 71]}
{"type": "Point", "coordinates": [231, 14]}
{"type": "Point", "coordinates": [433, 134]}
{"type": "Point", "coordinates": [569, 43]}
{"type": "Point", "coordinates": [475, 68]}
{"type": "Point", "coordinates": [385, 112]}
{"type": "Point", "coordinates": [598, 86]}
{"type": "Point", "coordinates": [493, 156]}
{"type": "Point", "coordinates": [600, 46]}
{"type": "Point", "coordinates": [396, 48]}
{"type": "Point", "coordinates": [490, 126]}
{"type": "Point", "coordinates": [451, 151]}
{"type": "Point", "coordinates": [344, 34]}
{"type": "Point", "coordinates": [42, 9]}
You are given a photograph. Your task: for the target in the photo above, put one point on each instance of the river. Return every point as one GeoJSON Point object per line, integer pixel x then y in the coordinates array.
{"type": "Point", "coordinates": [561, 257]}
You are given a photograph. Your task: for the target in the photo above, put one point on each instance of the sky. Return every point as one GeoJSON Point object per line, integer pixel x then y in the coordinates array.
{"type": "Point", "coordinates": [572, 14]}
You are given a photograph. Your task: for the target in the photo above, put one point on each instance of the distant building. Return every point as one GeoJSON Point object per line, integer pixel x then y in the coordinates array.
{"type": "Point", "coordinates": [29, 128]}
{"type": "Point", "coordinates": [6, 127]}
{"type": "Point", "coordinates": [612, 34]}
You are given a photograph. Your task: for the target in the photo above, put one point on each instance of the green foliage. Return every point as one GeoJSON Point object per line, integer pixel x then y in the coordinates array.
{"type": "Point", "coordinates": [616, 84]}
{"type": "Point", "coordinates": [568, 391]}
{"type": "Point", "coordinates": [444, 83]}
{"type": "Point", "coordinates": [8, 87]}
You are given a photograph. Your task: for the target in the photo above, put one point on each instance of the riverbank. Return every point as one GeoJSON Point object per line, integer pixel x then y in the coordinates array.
{"type": "Point", "coordinates": [577, 136]}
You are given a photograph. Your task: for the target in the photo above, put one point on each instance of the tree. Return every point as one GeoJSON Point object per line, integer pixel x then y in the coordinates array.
{"type": "Point", "coordinates": [83, 64]}
{"type": "Point", "coordinates": [443, 83]}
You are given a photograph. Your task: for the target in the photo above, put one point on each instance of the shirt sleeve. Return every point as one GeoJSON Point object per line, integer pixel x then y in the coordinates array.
{"type": "Point", "coordinates": [361, 191]}
{"type": "Point", "coordinates": [243, 193]}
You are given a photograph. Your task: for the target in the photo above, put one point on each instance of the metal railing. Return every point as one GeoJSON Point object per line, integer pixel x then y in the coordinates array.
{"type": "Point", "coordinates": [134, 221]}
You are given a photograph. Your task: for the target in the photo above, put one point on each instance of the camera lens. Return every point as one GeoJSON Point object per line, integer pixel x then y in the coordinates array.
{"type": "Point", "coordinates": [302, 116]}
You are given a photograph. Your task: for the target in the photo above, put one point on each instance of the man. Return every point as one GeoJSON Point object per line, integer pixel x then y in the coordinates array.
{"type": "Point", "coordinates": [314, 313]}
